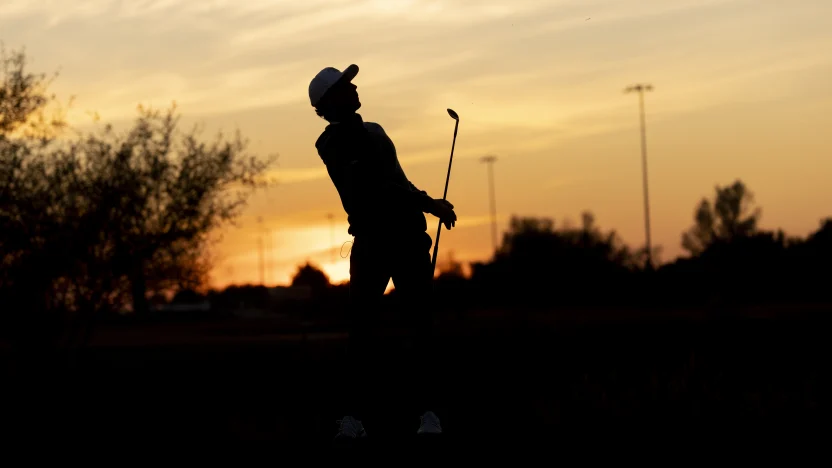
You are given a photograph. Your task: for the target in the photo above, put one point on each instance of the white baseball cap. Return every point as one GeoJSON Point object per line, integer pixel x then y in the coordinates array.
{"type": "Point", "coordinates": [326, 79]}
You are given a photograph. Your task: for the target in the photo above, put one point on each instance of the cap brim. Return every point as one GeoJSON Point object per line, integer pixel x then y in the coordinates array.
{"type": "Point", "coordinates": [349, 73]}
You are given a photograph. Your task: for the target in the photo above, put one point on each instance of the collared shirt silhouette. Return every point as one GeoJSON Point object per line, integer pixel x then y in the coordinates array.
{"type": "Point", "coordinates": [385, 211]}
{"type": "Point", "coordinates": [362, 163]}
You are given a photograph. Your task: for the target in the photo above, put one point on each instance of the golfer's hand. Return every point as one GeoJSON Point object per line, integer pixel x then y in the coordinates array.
{"type": "Point", "coordinates": [444, 210]}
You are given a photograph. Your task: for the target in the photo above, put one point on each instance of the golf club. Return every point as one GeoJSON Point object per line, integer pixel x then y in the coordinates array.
{"type": "Point", "coordinates": [445, 195]}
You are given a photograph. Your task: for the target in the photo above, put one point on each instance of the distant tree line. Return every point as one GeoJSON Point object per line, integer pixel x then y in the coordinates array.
{"type": "Point", "coordinates": [731, 261]}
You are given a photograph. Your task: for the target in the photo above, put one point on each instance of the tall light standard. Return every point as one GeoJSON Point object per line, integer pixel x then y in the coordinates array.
{"type": "Point", "coordinates": [641, 89]}
{"type": "Point", "coordinates": [489, 161]}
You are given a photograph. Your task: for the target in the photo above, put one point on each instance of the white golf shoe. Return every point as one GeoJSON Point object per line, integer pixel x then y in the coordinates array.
{"type": "Point", "coordinates": [350, 428]}
{"type": "Point", "coordinates": [430, 424]}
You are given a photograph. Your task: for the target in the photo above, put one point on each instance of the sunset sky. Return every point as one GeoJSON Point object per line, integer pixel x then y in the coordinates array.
{"type": "Point", "coordinates": [742, 91]}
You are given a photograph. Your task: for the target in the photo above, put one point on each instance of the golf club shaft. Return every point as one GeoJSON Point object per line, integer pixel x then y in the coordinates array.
{"type": "Point", "coordinates": [444, 196]}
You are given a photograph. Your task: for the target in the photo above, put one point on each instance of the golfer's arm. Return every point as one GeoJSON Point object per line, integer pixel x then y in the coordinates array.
{"type": "Point", "coordinates": [412, 196]}
{"type": "Point", "coordinates": [408, 192]}
{"type": "Point", "coordinates": [367, 186]}
{"type": "Point", "coordinates": [422, 199]}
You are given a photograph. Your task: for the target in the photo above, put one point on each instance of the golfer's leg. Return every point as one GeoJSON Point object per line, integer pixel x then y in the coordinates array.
{"type": "Point", "coordinates": [368, 280]}
{"type": "Point", "coordinates": [413, 280]}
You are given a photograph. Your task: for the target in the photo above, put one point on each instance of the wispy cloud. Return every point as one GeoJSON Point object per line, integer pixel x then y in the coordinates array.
{"type": "Point", "coordinates": [224, 56]}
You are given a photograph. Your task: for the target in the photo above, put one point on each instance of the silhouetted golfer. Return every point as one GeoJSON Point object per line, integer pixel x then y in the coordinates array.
{"type": "Point", "coordinates": [385, 214]}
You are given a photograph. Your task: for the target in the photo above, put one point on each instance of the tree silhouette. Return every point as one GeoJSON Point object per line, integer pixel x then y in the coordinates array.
{"type": "Point", "coordinates": [30, 183]}
{"type": "Point", "coordinates": [451, 282]}
{"type": "Point", "coordinates": [310, 276]}
{"type": "Point", "coordinates": [537, 262]}
{"type": "Point", "coordinates": [451, 268]}
{"type": "Point", "coordinates": [730, 216]}
{"type": "Point", "coordinates": [106, 220]}
{"type": "Point", "coordinates": [821, 240]}
{"type": "Point", "coordinates": [186, 296]}
{"type": "Point", "coordinates": [173, 192]}
{"type": "Point", "coordinates": [534, 242]}
{"type": "Point", "coordinates": [25, 103]}
{"type": "Point", "coordinates": [808, 272]}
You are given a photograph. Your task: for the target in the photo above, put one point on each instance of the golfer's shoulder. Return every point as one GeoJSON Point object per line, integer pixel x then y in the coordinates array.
{"type": "Point", "coordinates": [323, 142]}
{"type": "Point", "coordinates": [329, 144]}
{"type": "Point", "coordinates": [374, 127]}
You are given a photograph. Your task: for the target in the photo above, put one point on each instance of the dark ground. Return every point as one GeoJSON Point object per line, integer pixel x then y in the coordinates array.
{"type": "Point", "coordinates": [542, 383]}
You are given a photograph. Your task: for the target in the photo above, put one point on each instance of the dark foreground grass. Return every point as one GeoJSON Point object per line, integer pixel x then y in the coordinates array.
{"type": "Point", "coordinates": [638, 382]}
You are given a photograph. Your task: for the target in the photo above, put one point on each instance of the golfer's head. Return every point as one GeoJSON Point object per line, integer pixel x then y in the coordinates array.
{"type": "Point", "coordinates": [333, 94]}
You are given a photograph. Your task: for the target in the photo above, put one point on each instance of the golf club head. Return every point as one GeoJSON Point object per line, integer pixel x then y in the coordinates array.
{"type": "Point", "coordinates": [453, 114]}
